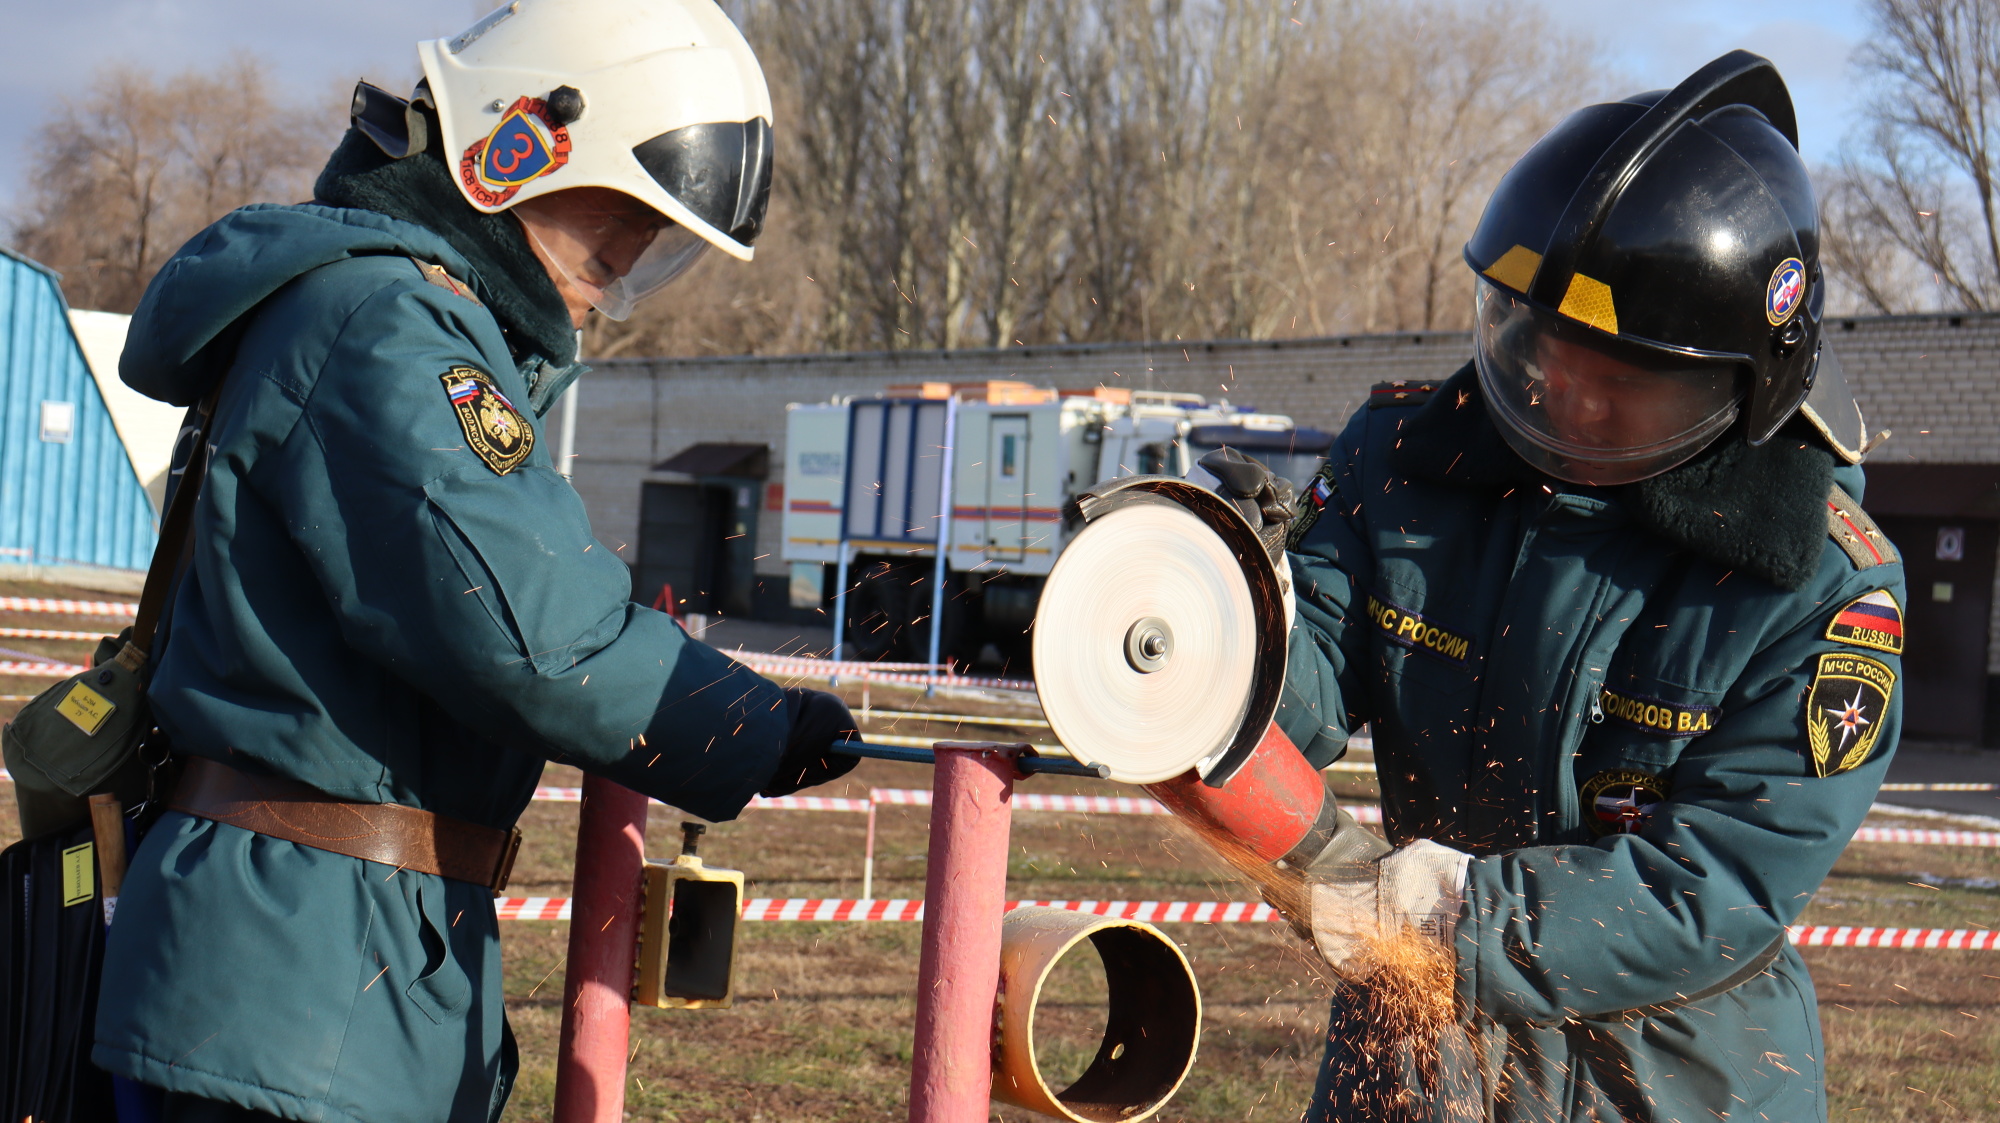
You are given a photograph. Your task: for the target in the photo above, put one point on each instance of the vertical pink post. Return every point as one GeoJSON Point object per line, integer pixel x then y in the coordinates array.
{"type": "Point", "coordinates": [965, 891]}
{"type": "Point", "coordinates": [603, 949]}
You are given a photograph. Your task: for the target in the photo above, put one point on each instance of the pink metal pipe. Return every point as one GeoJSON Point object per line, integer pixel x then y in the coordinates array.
{"type": "Point", "coordinates": [603, 950]}
{"type": "Point", "coordinates": [965, 892]}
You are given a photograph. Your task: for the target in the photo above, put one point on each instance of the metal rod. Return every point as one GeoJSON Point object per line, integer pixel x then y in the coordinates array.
{"type": "Point", "coordinates": [603, 946]}
{"type": "Point", "coordinates": [1028, 763]}
{"type": "Point", "coordinates": [945, 509]}
{"type": "Point", "coordinates": [839, 603]}
{"type": "Point", "coordinates": [566, 435]}
{"type": "Point", "coordinates": [958, 974]}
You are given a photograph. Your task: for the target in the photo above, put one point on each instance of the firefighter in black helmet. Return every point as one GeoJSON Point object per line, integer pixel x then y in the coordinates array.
{"type": "Point", "coordinates": [1670, 688]}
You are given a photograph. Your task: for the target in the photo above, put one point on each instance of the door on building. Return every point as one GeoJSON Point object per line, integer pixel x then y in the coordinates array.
{"type": "Point", "coordinates": [1007, 487]}
{"type": "Point", "coordinates": [683, 542]}
{"type": "Point", "coordinates": [1949, 565]}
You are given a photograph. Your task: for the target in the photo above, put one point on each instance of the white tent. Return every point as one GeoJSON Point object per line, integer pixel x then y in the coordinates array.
{"type": "Point", "coordinates": [147, 428]}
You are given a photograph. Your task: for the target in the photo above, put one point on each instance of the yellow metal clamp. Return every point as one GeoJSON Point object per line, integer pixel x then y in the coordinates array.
{"type": "Point", "coordinates": [687, 940]}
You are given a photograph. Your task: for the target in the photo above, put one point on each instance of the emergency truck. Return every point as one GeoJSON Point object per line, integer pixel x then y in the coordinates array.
{"type": "Point", "coordinates": [864, 479]}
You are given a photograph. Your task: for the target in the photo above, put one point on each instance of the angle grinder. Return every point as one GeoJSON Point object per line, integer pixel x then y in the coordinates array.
{"type": "Point", "coordinates": [1159, 647]}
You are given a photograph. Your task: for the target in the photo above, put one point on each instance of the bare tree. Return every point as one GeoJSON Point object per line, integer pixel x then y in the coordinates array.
{"type": "Point", "coordinates": [1917, 197]}
{"type": "Point", "coordinates": [137, 165]}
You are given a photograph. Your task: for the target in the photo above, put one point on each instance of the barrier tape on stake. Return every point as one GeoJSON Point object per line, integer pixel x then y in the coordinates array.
{"type": "Point", "coordinates": [116, 609]}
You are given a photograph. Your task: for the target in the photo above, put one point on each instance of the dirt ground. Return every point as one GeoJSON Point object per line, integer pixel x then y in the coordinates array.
{"type": "Point", "coordinates": [821, 1027]}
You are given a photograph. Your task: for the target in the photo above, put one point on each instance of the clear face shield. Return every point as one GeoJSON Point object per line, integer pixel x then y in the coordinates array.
{"type": "Point", "coordinates": [1588, 408]}
{"type": "Point", "coordinates": [614, 249]}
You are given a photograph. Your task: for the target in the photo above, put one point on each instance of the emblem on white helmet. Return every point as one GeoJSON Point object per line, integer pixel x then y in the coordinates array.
{"type": "Point", "coordinates": [525, 144]}
{"type": "Point", "coordinates": [662, 100]}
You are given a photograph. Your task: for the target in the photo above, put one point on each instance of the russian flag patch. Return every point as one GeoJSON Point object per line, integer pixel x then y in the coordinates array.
{"type": "Point", "coordinates": [1874, 620]}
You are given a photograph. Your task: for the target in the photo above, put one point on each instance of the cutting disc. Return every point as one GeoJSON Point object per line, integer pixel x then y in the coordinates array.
{"type": "Point", "coordinates": [1146, 643]}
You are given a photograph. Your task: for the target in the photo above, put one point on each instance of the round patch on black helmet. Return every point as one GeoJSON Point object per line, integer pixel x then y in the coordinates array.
{"type": "Point", "coordinates": [1781, 296]}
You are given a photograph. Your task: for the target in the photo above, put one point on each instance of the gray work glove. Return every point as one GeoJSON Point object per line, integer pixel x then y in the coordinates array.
{"type": "Point", "coordinates": [1416, 890]}
{"type": "Point", "coordinates": [1266, 499]}
{"type": "Point", "coordinates": [818, 719]}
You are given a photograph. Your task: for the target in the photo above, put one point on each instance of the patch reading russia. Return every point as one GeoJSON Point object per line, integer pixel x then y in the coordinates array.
{"type": "Point", "coordinates": [1655, 716]}
{"type": "Point", "coordinates": [1621, 801]}
{"type": "Point", "coordinates": [1844, 710]}
{"type": "Point", "coordinates": [1875, 620]}
{"type": "Point", "coordinates": [1411, 630]}
{"type": "Point", "coordinates": [1312, 504]}
{"type": "Point", "coordinates": [494, 429]}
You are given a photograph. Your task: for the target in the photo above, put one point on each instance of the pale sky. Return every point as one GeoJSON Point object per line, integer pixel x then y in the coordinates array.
{"type": "Point", "coordinates": [317, 49]}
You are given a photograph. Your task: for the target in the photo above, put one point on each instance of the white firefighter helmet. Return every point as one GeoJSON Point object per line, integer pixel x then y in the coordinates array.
{"type": "Point", "coordinates": [659, 99]}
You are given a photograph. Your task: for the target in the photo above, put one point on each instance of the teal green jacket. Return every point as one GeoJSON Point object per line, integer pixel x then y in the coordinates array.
{"type": "Point", "coordinates": [1653, 747]}
{"type": "Point", "coordinates": [394, 597]}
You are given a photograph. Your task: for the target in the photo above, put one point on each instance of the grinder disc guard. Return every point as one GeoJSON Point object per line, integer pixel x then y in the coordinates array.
{"type": "Point", "coordinates": [1159, 640]}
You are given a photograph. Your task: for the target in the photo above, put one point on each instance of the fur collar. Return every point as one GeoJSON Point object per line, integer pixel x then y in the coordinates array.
{"type": "Point", "coordinates": [1760, 510]}
{"type": "Point", "coordinates": [506, 274]}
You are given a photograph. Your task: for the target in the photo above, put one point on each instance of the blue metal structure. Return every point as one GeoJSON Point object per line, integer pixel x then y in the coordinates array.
{"type": "Point", "coordinates": [68, 494]}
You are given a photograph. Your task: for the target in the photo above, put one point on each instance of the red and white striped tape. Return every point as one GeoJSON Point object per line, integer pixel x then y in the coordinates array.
{"type": "Point", "coordinates": [547, 794]}
{"type": "Point", "coordinates": [118, 609]}
{"type": "Point", "coordinates": [46, 633]}
{"type": "Point", "coordinates": [1129, 805]}
{"type": "Point", "coordinates": [39, 670]}
{"type": "Point", "coordinates": [765, 663]}
{"type": "Point", "coordinates": [1940, 787]}
{"type": "Point", "coordinates": [1946, 939]}
{"type": "Point", "coordinates": [1928, 838]}
{"type": "Point", "coordinates": [1235, 912]}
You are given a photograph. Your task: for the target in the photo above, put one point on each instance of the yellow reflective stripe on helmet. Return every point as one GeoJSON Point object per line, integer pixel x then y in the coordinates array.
{"type": "Point", "coordinates": [1516, 268]}
{"type": "Point", "coordinates": [1589, 300]}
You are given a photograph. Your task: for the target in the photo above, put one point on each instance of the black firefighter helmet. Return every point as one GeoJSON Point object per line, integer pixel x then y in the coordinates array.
{"type": "Point", "coordinates": [1649, 277]}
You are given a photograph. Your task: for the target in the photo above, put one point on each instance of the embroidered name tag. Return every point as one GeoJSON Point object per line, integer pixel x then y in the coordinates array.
{"type": "Point", "coordinates": [1875, 620]}
{"type": "Point", "coordinates": [1411, 630]}
{"type": "Point", "coordinates": [1655, 716]}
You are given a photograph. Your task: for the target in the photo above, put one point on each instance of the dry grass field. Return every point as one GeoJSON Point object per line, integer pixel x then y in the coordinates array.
{"type": "Point", "coordinates": [821, 1027]}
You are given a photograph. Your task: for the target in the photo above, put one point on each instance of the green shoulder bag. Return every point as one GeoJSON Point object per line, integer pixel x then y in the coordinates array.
{"type": "Point", "coordinates": [82, 736]}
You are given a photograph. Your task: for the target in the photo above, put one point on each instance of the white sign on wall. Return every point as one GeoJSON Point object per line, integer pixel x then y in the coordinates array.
{"type": "Point", "coordinates": [58, 422]}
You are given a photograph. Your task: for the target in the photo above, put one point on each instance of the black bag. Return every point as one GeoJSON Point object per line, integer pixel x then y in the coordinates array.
{"type": "Point", "coordinates": [53, 938]}
{"type": "Point", "coordinates": [82, 736]}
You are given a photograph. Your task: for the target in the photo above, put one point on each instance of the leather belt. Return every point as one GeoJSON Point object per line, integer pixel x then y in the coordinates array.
{"type": "Point", "coordinates": [390, 833]}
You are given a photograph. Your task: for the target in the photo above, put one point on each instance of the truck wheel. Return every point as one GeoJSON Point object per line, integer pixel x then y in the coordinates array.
{"type": "Point", "coordinates": [874, 612]}
{"type": "Point", "coordinates": [917, 610]}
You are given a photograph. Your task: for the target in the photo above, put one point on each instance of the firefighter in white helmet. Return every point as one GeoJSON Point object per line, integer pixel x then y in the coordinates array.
{"type": "Point", "coordinates": [394, 613]}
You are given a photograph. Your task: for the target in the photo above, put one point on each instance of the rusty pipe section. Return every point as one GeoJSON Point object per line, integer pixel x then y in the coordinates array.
{"type": "Point", "coordinates": [1152, 1026]}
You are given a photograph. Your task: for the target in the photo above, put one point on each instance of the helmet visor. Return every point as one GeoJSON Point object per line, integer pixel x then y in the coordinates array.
{"type": "Point", "coordinates": [721, 171]}
{"type": "Point", "coordinates": [612, 248]}
{"type": "Point", "coordinates": [1590, 408]}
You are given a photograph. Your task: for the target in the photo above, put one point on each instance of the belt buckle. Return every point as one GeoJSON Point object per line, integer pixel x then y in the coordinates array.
{"type": "Point", "coordinates": [506, 870]}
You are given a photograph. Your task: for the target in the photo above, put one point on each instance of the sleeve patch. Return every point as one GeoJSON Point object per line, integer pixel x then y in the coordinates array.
{"type": "Point", "coordinates": [1874, 620]}
{"type": "Point", "coordinates": [1312, 504]}
{"type": "Point", "coordinates": [1844, 710]}
{"type": "Point", "coordinates": [494, 429]}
